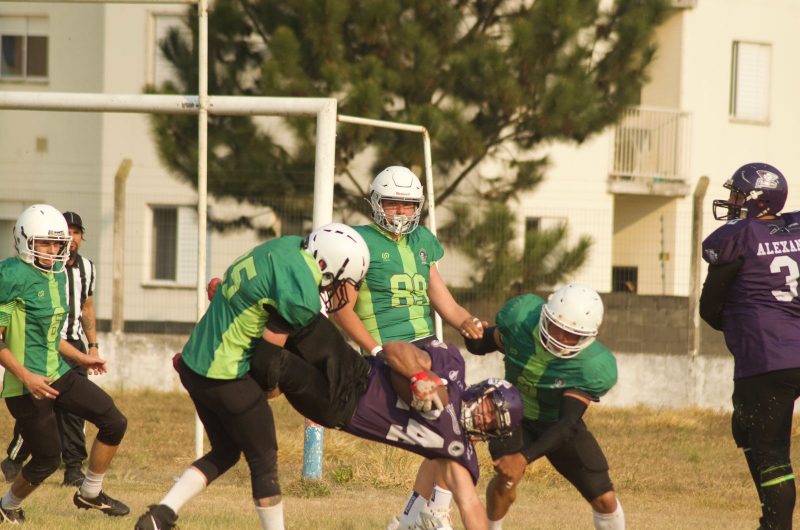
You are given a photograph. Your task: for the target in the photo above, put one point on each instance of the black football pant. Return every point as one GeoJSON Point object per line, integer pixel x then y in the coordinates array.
{"type": "Point", "coordinates": [36, 421]}
{"type": "Point", "coordinates": [762, 424]}
{"type": "Point", "coordinates": [70, 429]}
{"type": "Point", "coordinates": [237, 419]}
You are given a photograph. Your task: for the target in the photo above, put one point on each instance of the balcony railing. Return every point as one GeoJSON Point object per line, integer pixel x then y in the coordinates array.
{"type": "Point", "coordinates": [651, 152]}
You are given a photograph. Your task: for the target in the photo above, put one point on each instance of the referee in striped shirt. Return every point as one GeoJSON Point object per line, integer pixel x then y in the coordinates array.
{"type": "Point", "coordinates": [80, 319]}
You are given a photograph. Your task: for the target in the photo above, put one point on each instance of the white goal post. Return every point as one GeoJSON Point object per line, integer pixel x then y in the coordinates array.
{"type": "Point", "coordinates": [203, 104]}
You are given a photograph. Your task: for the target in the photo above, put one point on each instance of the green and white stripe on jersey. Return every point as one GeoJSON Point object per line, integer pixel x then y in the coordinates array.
{"type": "Point", "coordinates": [393, 301]}
{"type": "Point", "coordinates": [32, 311]}
{"type": "Point", "coordinates": [276, 276]}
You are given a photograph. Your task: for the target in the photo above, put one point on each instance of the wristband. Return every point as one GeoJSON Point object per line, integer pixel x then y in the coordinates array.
{"type": "Point", "coordinates": [94, 345]}
{"type": "Point", "coordinates": [376, 350]}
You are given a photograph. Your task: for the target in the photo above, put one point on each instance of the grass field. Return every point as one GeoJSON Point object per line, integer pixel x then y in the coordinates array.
{"type": "Point", "coordinates": [672, 470]}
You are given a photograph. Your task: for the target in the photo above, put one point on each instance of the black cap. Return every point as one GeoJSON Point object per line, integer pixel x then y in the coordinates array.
{"type": "Point", "coordinates": [74, 219]}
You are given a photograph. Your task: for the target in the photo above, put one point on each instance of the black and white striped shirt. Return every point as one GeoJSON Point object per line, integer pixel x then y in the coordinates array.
{"type": "Point", "coordinates": [80, 286]}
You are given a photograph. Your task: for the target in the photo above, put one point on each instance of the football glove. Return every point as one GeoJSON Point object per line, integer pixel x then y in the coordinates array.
{"type": "Point", "coordinates": [424, 392]}
{"type": "Point", "coordinates": [211, 288]}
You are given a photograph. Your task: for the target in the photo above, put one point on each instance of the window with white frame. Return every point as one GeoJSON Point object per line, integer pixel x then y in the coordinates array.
{"type": "Point", "coordinates": [159, 68]}
{"type": "Point", "coordinates": [750, 81]}
{"type": "Point", "coordinates": [173, 244]}
{"type": "Point", "coordinates": [23, 48]}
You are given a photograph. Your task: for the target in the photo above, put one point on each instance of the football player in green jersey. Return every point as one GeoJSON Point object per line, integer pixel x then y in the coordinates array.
{"type": "Point", "coordinates": [403, 281]}
{"type": "Point", "coordinates": [37, 379]}
{"type": "Point", "coordinates": [266, 295]}
{"type": "Point", "coordinates": [552, 357]}
{"type": "Point", "coordinates": [401, 286]}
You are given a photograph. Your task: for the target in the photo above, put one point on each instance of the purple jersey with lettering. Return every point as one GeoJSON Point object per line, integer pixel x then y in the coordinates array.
{"type": "Point", "coordinates": [761, 318]}
{"type": "Point", "coordinates": [383, 417]}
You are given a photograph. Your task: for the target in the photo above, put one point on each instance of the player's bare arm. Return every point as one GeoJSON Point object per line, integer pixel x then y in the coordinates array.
{"type": "Point", "coordinates": [452, 313]}
{"type": "Point", "coordinates": [410, 364]}
{"type": "Point", "coordinates": [93, 363]}
{"type": "Point", "coordinates": [89, 323]}
{"type": "Point", "coordinates": [349, 321]}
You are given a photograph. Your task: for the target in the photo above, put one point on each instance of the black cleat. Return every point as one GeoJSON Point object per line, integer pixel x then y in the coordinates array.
{"type": "Point", "coordinates": [102, 502]}
{"type": "Point", "coordinates": [10, 469]}
{"type": "Point", "coordinates": [157, 517]}
{"type": "Point", "coordinates": [11, 516]}
{"type": "Point", "coordinates": [73, 476]}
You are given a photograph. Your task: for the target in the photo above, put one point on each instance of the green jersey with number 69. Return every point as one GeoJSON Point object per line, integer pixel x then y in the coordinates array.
{"type": "Point", "coordinates": [393, 301]}
{"type": "Point", "coordinates": [275, 276]}
{"type": "Point", "coordinates": [540, 376]}
{"type": "Point", "coordinates": [32, 309]}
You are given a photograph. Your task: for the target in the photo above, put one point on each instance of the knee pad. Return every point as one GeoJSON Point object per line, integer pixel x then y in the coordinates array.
{"type": "Point", "coordinates": [112, 429]}
{"type": "Point", "coordinates": [264, 474]}
{"type": "Point", "coordinates": [40, 467]}
{"type": "Point", "coordinates": [265, 484]}
{"type": "Point", "coordinates": [215, 463]}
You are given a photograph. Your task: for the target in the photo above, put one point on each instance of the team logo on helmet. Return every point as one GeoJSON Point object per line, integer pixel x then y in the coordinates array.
{"type": "Point", "coordinates": [766, 179]}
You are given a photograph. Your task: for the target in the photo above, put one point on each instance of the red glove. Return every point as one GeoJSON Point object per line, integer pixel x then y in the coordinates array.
{"type": "Point", "coordinates": [424, 392]}
{"type": "Point", "coordinates": [211, 288]}
{"type": "Point", "coordinates": [175, 360]}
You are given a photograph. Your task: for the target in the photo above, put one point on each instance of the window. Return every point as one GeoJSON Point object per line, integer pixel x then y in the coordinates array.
{"type": "Point", "coordinates": [23, 48]}
{"type": "Point", "coordinates": [174, 244]}
{"type": "Point", "coordinates": [624, 279]}
{"type": "Point", "coordinates": [159, 69]}
{"type": "Point", "coordinates": [750, 80]}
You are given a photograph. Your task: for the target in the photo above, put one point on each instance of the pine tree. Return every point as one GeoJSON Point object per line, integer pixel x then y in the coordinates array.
{"type": "Point", "coordinates": [490, 79]}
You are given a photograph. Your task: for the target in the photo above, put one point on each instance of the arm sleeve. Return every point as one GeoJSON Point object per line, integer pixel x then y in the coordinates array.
{"type": "Point", "coordinates": [275, 322]}
{"type": "Point", "coordinates": [718, 283]}
{"type": "Point", "coordinates": [572, 410]}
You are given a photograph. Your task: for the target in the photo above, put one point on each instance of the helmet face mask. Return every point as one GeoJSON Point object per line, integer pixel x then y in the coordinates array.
{"type": "Point", "coordinates": [343, 258]}
{"type": "Point", "coordinates": [491, 409]}
{"type": "Point", "coordinates": [756, 190]}
{"type": "Point", "coordinates": [570, 320]}
{"type": "Point", "coordinates": [398, 184]}
{"type": "Point", "coordinates": [36, 231]}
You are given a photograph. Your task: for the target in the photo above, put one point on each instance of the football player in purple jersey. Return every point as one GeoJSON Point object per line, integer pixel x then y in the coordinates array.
{"type": "Point", "coordinates": [750, 294]}
{"type": "Point", "coordinates": [410, 397]}
{"type": "Point", "coordinates": [398, 403]}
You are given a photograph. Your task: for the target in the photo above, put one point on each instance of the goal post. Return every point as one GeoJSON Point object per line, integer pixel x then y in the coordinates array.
{"type": "Point", "coordinates": [314, 435]}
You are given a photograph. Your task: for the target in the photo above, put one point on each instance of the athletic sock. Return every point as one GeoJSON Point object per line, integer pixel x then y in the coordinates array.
{"type": "Point", "coordinates": [496, 525]}
{"type": "Point", "coordinates": [440, 499]}
{"type": "Point", "coordinates": [416, 503]}
{"type": "Point", "coordinates": [271, 517]}
{"type": "Point", "coordinates": [10, 501]}
{"type": "Point", "coordinates": [191, 483]}
{"type": "Point", "coordinates": [609, 521]}
{"type": "Point", "coordinates": [92, 484]}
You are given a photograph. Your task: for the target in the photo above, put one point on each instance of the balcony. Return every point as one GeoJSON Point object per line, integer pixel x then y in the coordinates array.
{"type": "Point", "coordinates": [651, 153]}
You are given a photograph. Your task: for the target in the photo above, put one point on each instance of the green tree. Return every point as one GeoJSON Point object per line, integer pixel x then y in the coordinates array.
{"type": "Point", "coordinates": [488, 241]}
{"type": "Point", "coordinates": [490, 79]}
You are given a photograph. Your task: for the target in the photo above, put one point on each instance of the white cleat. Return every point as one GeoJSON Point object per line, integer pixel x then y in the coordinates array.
{"type": "Point", "coordinates": [394, 524]}
{"type": "Point", "coordinates": [434, 520]}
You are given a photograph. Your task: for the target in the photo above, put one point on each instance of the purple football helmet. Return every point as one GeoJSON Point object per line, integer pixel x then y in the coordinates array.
{"type": "Point", "coordinates": [763, 189]}
{"type": "Point", "coordinates": [503, 400]}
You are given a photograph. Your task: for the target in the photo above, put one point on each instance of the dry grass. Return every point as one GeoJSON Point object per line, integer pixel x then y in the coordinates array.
{"type": "Point", "coordinates": [672, 469]}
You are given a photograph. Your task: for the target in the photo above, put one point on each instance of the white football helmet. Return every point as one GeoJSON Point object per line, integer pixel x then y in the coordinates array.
{"type": "Point", "coordinates": [37, 223]}
{"type": "Point", "coordinates": [574, 308]}
{"type": "Point", "coordinates": [343, 257]}
{"type": "Point", "coordinates": [396, 183]}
